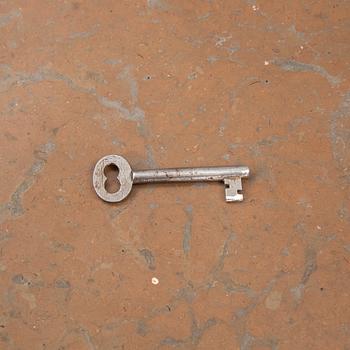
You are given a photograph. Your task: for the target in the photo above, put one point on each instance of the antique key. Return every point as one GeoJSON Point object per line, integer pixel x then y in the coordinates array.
{"type": "Point", "coordinates": [230, 175]}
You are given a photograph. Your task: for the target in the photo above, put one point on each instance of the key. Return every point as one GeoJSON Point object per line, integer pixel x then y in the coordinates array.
{"type": "Point", "coordinates": [230, 175]}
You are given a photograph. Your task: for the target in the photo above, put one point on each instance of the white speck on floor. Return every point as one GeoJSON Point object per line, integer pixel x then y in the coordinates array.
{"type": "Point", "coordinates": [155, 280]}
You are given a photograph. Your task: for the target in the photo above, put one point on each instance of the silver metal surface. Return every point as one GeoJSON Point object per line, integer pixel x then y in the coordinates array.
{"type": "Point", "coordinates": [189, 174]}
{"type": "Point", "coordinates": [124, 177]}
{"type": "Point", "coordinates": [231, 192]}
{"type": "Point", "coordinates": [230, 175]}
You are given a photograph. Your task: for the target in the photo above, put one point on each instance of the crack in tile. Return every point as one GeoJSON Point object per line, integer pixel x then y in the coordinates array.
{"type": "Point", "coordinates": [7, 18]}
{"type": "Point", "coordinates": [295, 66]}
{"type": "Point", "coordinates": [309, 268]}
{"type": "Point", "coordinates": [14, 206]}
{"type": "Point", "coordinates": [10, 78]}
{"type": "Point", "coordinates": [340, 135]}
{"type": "Point", "coordinates": [186, 243]}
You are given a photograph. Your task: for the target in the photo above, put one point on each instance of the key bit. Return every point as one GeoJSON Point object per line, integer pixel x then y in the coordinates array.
{"type": "Point", "coordinates": [231, 191]}
{"type": "Point", "coordinates": [230, 175]}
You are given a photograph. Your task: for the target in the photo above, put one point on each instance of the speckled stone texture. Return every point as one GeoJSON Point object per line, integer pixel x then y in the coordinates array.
{"type": "Point", "coordinates": [165, 84]}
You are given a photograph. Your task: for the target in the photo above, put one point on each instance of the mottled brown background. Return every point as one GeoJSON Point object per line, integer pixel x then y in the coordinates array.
{"type": "Point", "coordinates": [172, 83]}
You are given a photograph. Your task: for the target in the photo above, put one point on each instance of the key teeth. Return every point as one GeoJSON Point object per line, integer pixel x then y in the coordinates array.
{"type": "Point", "coordinates": [231, 192]}
{"type": "Point", "coordinates": [235, 198]}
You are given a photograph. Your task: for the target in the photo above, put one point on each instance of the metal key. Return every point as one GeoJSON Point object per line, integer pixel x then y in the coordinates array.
{"type": "Point", "coordinates": [230, 175]}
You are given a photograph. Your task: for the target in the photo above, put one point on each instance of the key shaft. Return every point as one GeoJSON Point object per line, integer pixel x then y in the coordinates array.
{"type": "Point", "coordinates": [189, 174]}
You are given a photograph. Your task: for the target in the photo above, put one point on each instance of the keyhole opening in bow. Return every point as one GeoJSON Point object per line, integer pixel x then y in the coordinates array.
{"type": "Point", "coordinates": [112, 184]}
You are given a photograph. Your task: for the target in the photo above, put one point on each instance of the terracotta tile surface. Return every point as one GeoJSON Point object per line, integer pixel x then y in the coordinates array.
{"type": "Point", "coordinates": [175, 83]}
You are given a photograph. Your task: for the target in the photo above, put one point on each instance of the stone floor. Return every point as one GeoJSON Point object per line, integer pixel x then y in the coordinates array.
{"type": "Point", "coordinates": [175, 83]}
